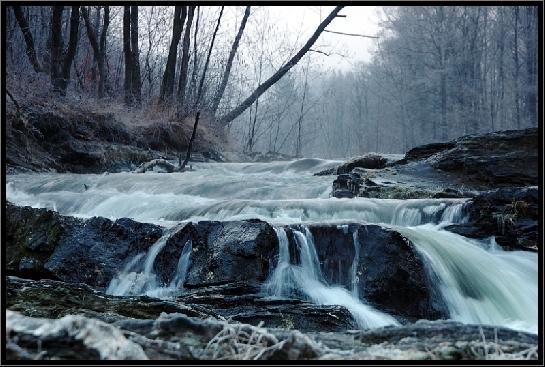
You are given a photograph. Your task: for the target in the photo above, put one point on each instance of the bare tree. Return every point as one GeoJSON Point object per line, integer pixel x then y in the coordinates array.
{"type": "Point", "coordinates": [29, 40]}
{"type": "Point", "coordinates": [60, 66]}
{"type": "Point", "coordinates": [182, 110]}
{"type": "Point", "coordinates": [167, 86]}
{"type": "Point", "coordinates": [201, 83]}
{"type": "Point", "coordinates": [224, 120]}
{"type": "Point", "coordinates": [98, 45]}
{"type": "Point", "coordinates": [136, 81]}
{"type": "Point", "coordinates": [219, 93]}
{"type": "Point", "coordinates": [128, 54]}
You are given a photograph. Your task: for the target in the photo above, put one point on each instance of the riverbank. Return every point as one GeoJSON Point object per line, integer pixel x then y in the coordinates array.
{"type": "Point", "coordinates": [260, 261]}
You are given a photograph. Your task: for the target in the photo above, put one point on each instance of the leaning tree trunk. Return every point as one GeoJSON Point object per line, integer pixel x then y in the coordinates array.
{"type": "Point", "coordinates": [234, 48]}
{"type": "Point", "coordinates": [188, 153]}
{"type": "Point", "coordinates": [29, 40]}
{"type": "Point", "coordinates": [201, 84]}
{"type": "Point", "coordinates": [182, 110]}
{"type": "Point", "coordinates": [167, 85]}
{"type": "Point", "coordinates": [224, 120]}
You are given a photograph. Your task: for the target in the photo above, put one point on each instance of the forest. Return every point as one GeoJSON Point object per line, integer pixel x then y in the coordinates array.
{"type": "Point", "coordinates": [270, 182]}
{"type": "Point", "coordinates": [436, 73]}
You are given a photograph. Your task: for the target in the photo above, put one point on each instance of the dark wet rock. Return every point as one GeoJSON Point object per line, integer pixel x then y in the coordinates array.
{"type": "Point", "coordinates": [94, 251]}
{"type": "Point", "coordinates": [156, 165]}
{"type": "Point", "coordinates": [425, 151]}
{"type": "Point", "coordinates": [54, 299]}
{"type": "Point", "coordinates": [225, 252]}
{"type": "Point", "coordinates": [31, 237]}
{"type": "Point", "coordinates": [327, 172]}
{"type": "Point", "coordinates": [499, 158]}
{"type": "Point", "coordinates": [393, 276]}
{"type": "Point", "coordinates": [509, 214]}
{"type": "Point", "coordinates": [369, 161]}
{"type": "Point", "coordinates": [390, 273]}
{"type": "Point", "coordinates": [43, 244]}
{"type": "Point", "coordinates": [246, 303]}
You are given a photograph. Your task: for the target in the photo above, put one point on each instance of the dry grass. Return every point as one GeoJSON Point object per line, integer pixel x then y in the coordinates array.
{"type": "Point", "coordinates": [35, 92]}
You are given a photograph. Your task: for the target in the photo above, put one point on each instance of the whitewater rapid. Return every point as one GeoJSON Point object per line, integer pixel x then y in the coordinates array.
{"type": "Point", "coordinates": [479, 281]}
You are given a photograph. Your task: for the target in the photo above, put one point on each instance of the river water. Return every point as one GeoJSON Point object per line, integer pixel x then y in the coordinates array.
{"type": "Point", "coordinates": [480, 282]}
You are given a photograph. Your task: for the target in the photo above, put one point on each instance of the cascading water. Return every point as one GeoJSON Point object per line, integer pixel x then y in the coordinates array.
{"type": "Point", "coordinates": [138, 278]}
{"type": "Point", "coordinates": [479, 284]}
{"type": "Point", "coordinates": [288, 279]}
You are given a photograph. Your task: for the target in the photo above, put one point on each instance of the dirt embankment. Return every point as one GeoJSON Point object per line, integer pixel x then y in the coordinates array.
{"type": "Point", "coordinates": [69, 137]}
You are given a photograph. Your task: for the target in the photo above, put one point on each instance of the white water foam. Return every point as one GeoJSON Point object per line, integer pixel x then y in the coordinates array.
{"type": "Point", "coordinates": [480, 284]}
{"type": "Point", "coordinates": [307, 278]}
{"type": "Point", "coordinates": [139, 278]}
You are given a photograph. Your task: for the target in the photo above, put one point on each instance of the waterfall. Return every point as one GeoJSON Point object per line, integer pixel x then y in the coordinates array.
{"type": "Point", "coordinates": [307, 279]}
{"type": "Point", "coordinates": [480, 284]}
{"type": "Point", "coordinates": [139, 279]}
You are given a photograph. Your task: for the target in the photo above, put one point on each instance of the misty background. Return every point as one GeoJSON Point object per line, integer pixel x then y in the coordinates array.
{"type": "Point", "coordinates": [396, 77]}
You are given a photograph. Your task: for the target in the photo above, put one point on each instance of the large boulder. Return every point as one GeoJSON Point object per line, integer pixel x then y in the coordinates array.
{"type": "Point", "coordinates": [369, 161]}
{"type": "Point", "coordinates": [511, 215]}
{"type": "Point", "coordinates": [43, 244]}
{"type": "Point", "coordinates": [499, 158]}
{"type": "Point", "coordinates": [225, 252]}
{"type": "Point", "coordinates": [390, 273]}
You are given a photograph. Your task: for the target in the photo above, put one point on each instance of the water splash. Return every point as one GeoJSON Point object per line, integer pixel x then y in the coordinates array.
{"type": "Point", "coordinates": [138, 278]}
{"type": "Point", "coordinates": [480, 284]}
{"type": "Point", "coordinates": [289, 280]}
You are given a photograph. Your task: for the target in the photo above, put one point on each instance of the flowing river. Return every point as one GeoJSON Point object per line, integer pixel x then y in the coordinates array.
{"type": "Point", "coordinates": [479, 281]}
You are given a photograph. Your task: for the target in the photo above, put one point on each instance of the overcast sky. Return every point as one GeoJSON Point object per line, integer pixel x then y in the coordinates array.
{"type": "Point", "coordinates": [303, 20]}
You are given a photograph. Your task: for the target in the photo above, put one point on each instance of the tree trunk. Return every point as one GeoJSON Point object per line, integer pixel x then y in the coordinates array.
{"type": "Point", "coordinates": [195, 58]}
{"type": "Point", "coordinates": [29, 40]}
{"type": "Point", "coordinates": [128, 54]}
{"type": "Point", "coordinates": [224, 120]}
{"type": "Point", "coordinates": [136, 81]}
{"type": "Point", "coordinates": [102, 60]}
{"type": "Point", "coordinates": [182, 110]}
{"type": "Point", "coordinates": [60, 68]}
{"type": "Point", "coordinates": [56, 46]}
{"type": "Point", "coordinates": [225, 78]}
{"type": "Point", "coordinates": [98, 48]}
{"type": "Point", "coordinates": [201, 84]}
{"type": "Point", "coordinates": [188, 154]}
{"type": "Point", "coordinates": [167, 85]}
{"type": "Point", "coordinates": [531, 68]}
{"type": "Point", "coordinates": [517, 66]}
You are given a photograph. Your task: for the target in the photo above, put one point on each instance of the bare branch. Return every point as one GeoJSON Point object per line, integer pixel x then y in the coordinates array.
{"type": "Point", "coordinates": [351, 34]}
